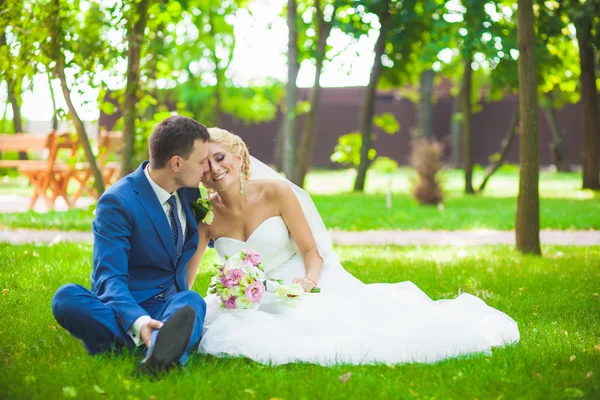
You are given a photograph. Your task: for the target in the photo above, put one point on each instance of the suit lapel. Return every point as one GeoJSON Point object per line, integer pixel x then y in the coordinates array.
{"type": "Point", "coordinates": [148, 200]}
{"type": "Point", "coordinates": [192, 225]}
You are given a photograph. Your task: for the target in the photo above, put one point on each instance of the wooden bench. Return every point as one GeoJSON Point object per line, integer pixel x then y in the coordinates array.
{"type": "Point", "coordinates": [24, 142]}
{"type": "Point", "coordinates": [109, 142]}
{"type": "Point", "coordinates": [48, 177]}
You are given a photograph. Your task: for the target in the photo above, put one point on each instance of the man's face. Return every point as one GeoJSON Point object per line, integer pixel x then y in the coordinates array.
{"type": "Point", "coordinates": [191, 170]}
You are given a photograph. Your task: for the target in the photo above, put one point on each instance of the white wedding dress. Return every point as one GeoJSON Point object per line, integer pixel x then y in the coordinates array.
{"type": "Point", "coordinates": [349, 321]}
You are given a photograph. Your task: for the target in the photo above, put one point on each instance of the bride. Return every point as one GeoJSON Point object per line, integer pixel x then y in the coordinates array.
{"type": "Point", "coordinates": [348, 321]}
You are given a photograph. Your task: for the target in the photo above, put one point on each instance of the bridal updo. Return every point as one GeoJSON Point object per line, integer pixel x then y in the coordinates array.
{"type": "Point", "coordinates": [234, 144]}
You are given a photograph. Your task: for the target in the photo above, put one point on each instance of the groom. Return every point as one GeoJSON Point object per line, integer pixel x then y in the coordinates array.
{"type": "Point", "coordinates": [144, 236]}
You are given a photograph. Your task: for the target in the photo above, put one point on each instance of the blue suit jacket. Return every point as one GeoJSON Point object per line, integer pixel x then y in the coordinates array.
{"type": "Point", "coordinates": [134, 252]}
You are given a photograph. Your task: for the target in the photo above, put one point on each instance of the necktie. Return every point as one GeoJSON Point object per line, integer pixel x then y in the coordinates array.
{"type": "Point", "coordinates": [175, 225]}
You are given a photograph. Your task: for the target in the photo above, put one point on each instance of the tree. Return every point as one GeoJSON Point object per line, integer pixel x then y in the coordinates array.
{"type": "Point", "coordinates": [16, 61]}
{"type": "Point", "coordinates": [558, 72]}
{"type": "Point", "coordinates": [322, 26]}
{"type": "Point", "coordinates": [476, 22]}
{"type": "Point", "coordinates": [425, 115]}
{"type": "Point", "coordinates": [289, 134]}
{"type": "Point", "coordinates": [582, 14]}
{"type": "Point", "coordinates": [135, 37]}
{"type": "Point", "coordinates": [465, 108]}
{"type": "Point", "coordinates": [506, 144]}
{"type": "Point", "coordinates": [528, 213]}
{"type": "Point", "coordinates": [65, 30]}
{"type": "Point", "coordinates": [368, 107]}
{"type": "Point", "coordinates": [557, 76]}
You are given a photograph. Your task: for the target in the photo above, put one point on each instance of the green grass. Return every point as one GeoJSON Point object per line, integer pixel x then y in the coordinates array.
{"type": "Point", "coordinates": [563, 205]}
{"type": "Point", "coordinates": [555, 300]}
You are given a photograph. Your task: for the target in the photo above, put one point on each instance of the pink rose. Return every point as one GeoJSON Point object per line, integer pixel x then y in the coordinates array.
{"type": "Point", "coordinates": [225, 281]}
{"type": "Point", "coordinates": [230, 303]}
{"type": "Point", "coordinates": [232, 278]}
{"type": "Point", "coordinates": [255, 291]}
{"type": "Point", "coordinates": [252, 256]}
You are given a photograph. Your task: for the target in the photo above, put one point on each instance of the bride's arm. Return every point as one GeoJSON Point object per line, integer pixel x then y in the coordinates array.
{"type": "Point", "coordinates": [194, 262]}
{"type": "Point", "coordinates": [294, 218]}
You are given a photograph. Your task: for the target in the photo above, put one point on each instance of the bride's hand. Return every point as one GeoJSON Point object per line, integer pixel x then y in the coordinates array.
{"type": "Point", "coordinates": [307, 284]}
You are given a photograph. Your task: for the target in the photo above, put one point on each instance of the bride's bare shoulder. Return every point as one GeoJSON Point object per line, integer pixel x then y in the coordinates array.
{"type": "Point", "coordinates": [270, 186]}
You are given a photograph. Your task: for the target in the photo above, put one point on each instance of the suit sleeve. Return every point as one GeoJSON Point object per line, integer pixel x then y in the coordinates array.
{"type": "Point", "coordinates": [112, 228]}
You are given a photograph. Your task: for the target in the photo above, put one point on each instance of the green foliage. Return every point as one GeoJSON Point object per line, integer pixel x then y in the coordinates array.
{"type": "Point", "coordinates": [384, 164]}
{"type": "Point", "coordinates": [387, 122]}
{"type": "Point", "coordinates": [347, 150]}
{"type": "Point", "coordinates": [18, 54]}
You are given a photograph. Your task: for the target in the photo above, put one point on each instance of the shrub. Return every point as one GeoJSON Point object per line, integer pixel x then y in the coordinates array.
{"type": "Point", "coordinates": [426, 159]}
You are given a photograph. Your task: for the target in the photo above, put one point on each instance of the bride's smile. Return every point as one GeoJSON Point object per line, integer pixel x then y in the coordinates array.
{"type": "Point", "coordinates": [220, 176]}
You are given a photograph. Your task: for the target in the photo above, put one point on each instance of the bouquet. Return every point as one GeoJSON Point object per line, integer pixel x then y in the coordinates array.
{"type": "Point", "coordinates": [241, 282]}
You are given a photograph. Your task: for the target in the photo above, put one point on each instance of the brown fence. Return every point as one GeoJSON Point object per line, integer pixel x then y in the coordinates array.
{"type": "Point", "coordinates": [339, 114]}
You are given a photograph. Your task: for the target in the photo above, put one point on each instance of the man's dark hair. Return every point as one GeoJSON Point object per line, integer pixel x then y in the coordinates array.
{"type": "Point", "coordinates": [175, 136]}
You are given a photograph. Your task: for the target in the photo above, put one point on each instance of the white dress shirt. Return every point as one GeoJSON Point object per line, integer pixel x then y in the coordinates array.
{"type": "Point", "coordinates": [163, 196]}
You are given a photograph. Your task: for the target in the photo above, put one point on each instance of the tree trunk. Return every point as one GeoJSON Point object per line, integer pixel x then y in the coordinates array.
{"type": "Point", "coordinates": [589, 100]}
{"type": "Point", "coordinates": [528, 204]}
{"type": "Point", "coordinates": [466, 123]}
{"type": "Point", "coordinates": [16, 107]}
{"type": "Point", "coordinates": [79, 126]}
{"type": "Point", "coordinates": [557, 144]}
{"type": "Point", "coordinates": [506, 145]}
{"type": "Point", "coordinates": [278, 141]}
{"type": "Point", "coordinates": [288, 160]}
{"type": "Point", "coordinates": [11, 87]}
{"type": "Point", "coordinates": [14, 103]}
{"type": "Point", "coordinates": [135, 40]}
{"type": "Point", "coordinates": [426, 104]}
{"type": "Point", "coordinates": [368, 109]}
{"type": "Point", "coordinates": [54, 108]}
{"type": "Point", "coordinates": [218, 113]}
{"type": "Point", "coordinates": [156, 49]}
{"type": "Point", "coordinates": [456, 133]}
{"type": "Point", "coordinates": [309, 134]}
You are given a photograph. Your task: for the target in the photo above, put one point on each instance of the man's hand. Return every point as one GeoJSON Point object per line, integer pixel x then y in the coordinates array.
{"type": "Point", "coordinates": [147, 329]}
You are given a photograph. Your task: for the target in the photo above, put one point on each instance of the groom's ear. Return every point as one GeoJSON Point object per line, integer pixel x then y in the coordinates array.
{"type": "Point", "coordinates": [175, 163]}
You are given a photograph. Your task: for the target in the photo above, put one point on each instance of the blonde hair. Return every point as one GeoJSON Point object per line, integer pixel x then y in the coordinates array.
{"type": "Point", "coordinates": [234, 144]}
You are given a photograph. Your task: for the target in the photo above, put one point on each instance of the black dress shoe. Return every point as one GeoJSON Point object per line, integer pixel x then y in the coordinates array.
{"type": "Point", "coordinates": [172, 340]}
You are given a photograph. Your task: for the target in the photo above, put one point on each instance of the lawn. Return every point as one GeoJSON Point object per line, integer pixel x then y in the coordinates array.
{"type": "Point", "coordinates": [555, 300]}
{"type": "Point", "coordinates": [562, 205]}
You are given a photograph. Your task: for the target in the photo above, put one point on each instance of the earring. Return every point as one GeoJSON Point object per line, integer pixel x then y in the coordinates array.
{"type": "Point", "coordinates": [241, 181]}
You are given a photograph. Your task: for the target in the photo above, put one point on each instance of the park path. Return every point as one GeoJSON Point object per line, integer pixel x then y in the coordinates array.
{"type": "Point", "coordinates": [376, 237]}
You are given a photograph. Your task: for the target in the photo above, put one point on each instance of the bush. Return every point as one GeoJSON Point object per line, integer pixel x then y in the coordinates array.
{"type": "Point", "coordinates": [426, 159]}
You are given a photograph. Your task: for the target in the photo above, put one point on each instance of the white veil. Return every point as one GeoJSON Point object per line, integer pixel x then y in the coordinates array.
{"type": "Point", "coordinates": [259, 170]}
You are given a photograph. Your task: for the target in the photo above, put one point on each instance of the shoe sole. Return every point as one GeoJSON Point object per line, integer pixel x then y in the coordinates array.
{"type": "Point", "coordinates": [171, 342]}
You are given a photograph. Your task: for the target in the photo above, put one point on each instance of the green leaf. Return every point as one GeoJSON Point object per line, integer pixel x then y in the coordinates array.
{"type": "Point", "coordinates": [347, 150]}
{"type": "Point", "coordinates": [108, 108]}
{"type": "Point", "coordinates": [384, 164]}
{"type": "Point", "coordinates": [387, 122]}
{"type": "Point", "coordinates": [69, 392]}
{"type": "Point", "coordinates": [574, 393]}
{"type": "Point", "coordinates": [98, 389]}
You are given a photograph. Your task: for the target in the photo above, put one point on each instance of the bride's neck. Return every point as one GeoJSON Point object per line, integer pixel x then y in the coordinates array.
{"type": "Point", "coordinates": [232, 199]}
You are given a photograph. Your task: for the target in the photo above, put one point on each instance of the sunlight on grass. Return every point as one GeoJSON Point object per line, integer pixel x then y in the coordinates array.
{"type": "Point", "coordinates": [505, 183]}
{"type": "Point", "coordinates": [562, 205]}
{"type": "Point", "coordinates": [554, 299]}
